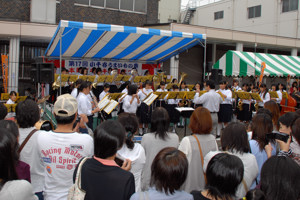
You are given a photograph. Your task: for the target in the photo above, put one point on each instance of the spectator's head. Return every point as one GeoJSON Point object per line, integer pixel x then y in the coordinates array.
{"type": "Point", "coordinates": [296, 130]}
{"type": "Point", "coordinates": [274, 109]}
{"type": "Point", "coordinates": [13, 95]}
{"type": "Point", "coordinates": [3, 111]}
{"type": "Point", "coordinates": [13, 129]}
{"type": "Point", "coordinates": [255, 194]}
{"type": "Point", "coordinates": [280, 178]}
{"type": "Point", "coordinates": [168, 170]}
{"type": "Point", "coordinates": [224, 168]}
{"type": "Point", "coordinates": [160, 122]}
{"type": "Point", "coordinates": [65, 109]}
{"type": "Point", "coordinates": [131, 124]}
{"type": "Point", "coordinates": [261, 125]}
{"type": "Point", "coordinates": [210, 85]}
{"type": "Point", "coordinates": [234, 138]}
{"type": "Point", "coordinates": [7, 157]}
{"type": "Point", "coordinates": [200, 121]}
{"type": "Point", "coordinates": [264, 111]}
{"type": "Point", "coordinates": [109, 137]}
{"type": "Point", "coordinates": [286, 121]}
{"type": "Point", "coordinates": [132, 89]}
{"type": "Point", "coordinates": [27, 113]}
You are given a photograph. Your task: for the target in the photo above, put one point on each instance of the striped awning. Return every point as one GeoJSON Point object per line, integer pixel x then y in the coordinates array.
{"type": "Point", "coordinates": [84, 40]}
{"type": "Point", "coordinates": [237, 63]}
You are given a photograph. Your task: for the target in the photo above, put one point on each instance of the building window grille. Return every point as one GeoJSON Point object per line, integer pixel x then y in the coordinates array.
{"type": "Point", "coordinates": [254, 12]}
{"type": "Point", "coordinates": [289, 5]}
{"type": "Point", "coordinates": [219, 15]}
{"type": "Point", "coordinates": [139, 6]}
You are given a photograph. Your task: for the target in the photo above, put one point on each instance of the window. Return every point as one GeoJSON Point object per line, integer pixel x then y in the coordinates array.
{"type": "Point", "coordinates": [289, 5]}
{"type": "Point", "coordinates": [126, 5]}
{"type": "Point", "coordinates": [254, 11]}
{"type": "Point", "coordinates": [219, 15]}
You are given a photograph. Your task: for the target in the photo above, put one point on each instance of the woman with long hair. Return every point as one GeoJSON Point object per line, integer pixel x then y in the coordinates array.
{"type": "Point", "coordinates": [261, 126]}
{"type": "Point", "coordinates": [273, 107]}
{"type": "Point", "coordinates": [200, 141]}
{"type": "Point", "coordinates": [156, 140]}
{"type": "Point", "coordinates": [131, 150]}
{"type": "Point", "coordinates": [264, 95]}
{"type": "Point", "coordinates": [10, 186]}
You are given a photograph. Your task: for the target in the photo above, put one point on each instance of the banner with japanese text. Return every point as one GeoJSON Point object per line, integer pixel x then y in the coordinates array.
{"type": "Point", "coordinates": [4, 59]}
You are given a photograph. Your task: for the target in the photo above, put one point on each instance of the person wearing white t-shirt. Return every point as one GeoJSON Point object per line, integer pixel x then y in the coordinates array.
{"type": "Point", "coordinates": [130, 150]}
{"type": "Point", "coordinates": [77, 84]}
{"type": "Point", "coordinates": [264, 95]}
{"type": "Point", "coordinates": [161, 102]}
{"type": "Point", "coordinates": [12, 97]}
{"type": "Point", "coordinates": [27, 114]}
{"type": "Point", "coordinates": [62, 149]}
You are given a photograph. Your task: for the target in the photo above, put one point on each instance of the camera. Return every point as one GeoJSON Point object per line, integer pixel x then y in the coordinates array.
{"type": "Point", "coordinates": [275, 135]}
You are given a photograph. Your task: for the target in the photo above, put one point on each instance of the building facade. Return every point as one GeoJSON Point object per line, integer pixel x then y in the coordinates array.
{"type": "Point", "coordinates": [169, 11]}
{"type": "Point", "coordinates": [27, 26]}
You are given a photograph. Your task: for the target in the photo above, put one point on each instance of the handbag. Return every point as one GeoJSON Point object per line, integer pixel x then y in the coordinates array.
{"type": "Point", "coordinates": [75, 191]}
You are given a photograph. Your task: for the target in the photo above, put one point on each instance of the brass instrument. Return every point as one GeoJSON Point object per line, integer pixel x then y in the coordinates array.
{"type": "Point", "coordinates": [240, 105]}
{"type": "Point", "coordinates": [157, 79]}
{"type": "Point", "coordinates": [256, 106]}
{"type": "Point", "coordinates": [56, 85]}
{"type": "Point", "coordinates": [182, 77]}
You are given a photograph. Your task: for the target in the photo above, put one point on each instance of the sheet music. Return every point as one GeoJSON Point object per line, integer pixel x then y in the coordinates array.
{"type": "Point", "coordinates": [180, 109]}
{"type": "Point", "coordinates": [103, 102]}
{"type": "Point", "coordinates": [150, 99]}
{"type": "Point", "coordinates": [111, 106]}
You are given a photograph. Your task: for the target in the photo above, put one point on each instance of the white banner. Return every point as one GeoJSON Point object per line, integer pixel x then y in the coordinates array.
{"type": "Point", "coordinates": [73, 65]}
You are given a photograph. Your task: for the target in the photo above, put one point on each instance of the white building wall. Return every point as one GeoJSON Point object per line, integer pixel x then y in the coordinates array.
{"type": "Point", "coordinates": [271, 22]}
{"type": "Point", "coordinates": [168, 10]}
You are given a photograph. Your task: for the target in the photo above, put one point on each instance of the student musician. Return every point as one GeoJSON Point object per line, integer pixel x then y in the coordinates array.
{"type": "Point", "coordinates": [144, 111]}
{"type": "Point", "coordinates": [99, 86]}
{"type": "Point", "coordinates": [162, 88]}
{"type": "Point", "coordinates": [101, 96]}
{"type": "Point", "coordinates": [225, 112]}
{"type": "Point", "coordinates": [264, 95]}
{"type": "Point", "coordinates": [281, 89]}
{"type": "Point", "coordinates": [131, 101]}
{"type": "Point", "coordinates": [125, 92]}
{"type": "Point", "coordinates": [65, 87]}
{"type": "Point", "coordinates": [85, 105]}
{"type": "Point", "coordinates": [183, 87]}
{"type": "Point", "coordinates": [279, 93]}
{"type": "Point", "coordinates": [172, 104]}
{"type": "Point", "coordinates": [12, 98]}
{"type": "Point", "coordinates": [245, 114]}
{"type": "Point", "coordinates": [236, 86]}
{"type": "Point", "coordinates": [76, 85]}
{"type": "Point", "coordinates": [197, 88]}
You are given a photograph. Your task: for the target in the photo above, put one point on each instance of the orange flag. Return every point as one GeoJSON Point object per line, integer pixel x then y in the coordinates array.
{"type": "Point", "coordinates": [4, 59]}
{"type": "Point", "coordinates": [262, 67]}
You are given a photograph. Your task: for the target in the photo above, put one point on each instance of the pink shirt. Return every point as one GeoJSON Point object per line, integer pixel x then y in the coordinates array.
{"type": "Point", "coordinates": [106, 162]}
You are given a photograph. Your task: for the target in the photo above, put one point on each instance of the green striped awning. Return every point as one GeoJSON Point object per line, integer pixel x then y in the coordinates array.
{"type": "Point", "coordinates": [237, 63]}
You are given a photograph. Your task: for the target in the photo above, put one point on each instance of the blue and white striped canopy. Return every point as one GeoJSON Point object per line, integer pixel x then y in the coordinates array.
{"type": "Point", "coordinates": [84, 40]}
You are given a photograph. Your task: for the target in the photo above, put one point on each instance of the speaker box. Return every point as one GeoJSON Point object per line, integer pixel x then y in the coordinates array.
{"type": "Point", "coordinates": [216, 75]}
{"type": "Point", "coordinates": [42, 72]}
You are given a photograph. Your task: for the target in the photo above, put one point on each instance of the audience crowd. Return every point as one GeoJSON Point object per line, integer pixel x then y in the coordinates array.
{"type": "Point", "coordinates": [250, 163]}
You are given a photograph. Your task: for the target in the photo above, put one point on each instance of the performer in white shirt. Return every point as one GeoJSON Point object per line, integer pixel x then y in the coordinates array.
{"type": "Point", "coordinates": [279, 93]}
{"type": "Point", "coordinates": [245, 115]}
{"type": "Point", "coordinates": [225, 112]}
{"type": "Point", "coordinates": [144, 111]}
{"type": "Point", "coordinates": [77, 84]}
{"type": "Point", "coordinates": [99, 86]}
{"type": "Point", "coordinates": [281, 89]}
{"type": "Point", "coordinates": [131, 100]}
{"type": "Point", "coordinates": [85, 105]}
{"type": "Point", "coordinates": [264, 95]}
{"type": "Point", "coordinates": [105, 91]}
{"type": "Point", "coordinates": [125, 92]}
{"type": "Point", "coordinates": [210, 100]}
{"type": "Point", "coordinates": [174, 115]}
{"type": "Point", "coordinates": [236, 86]}
{"type": "Point", "coordinates": [12, 98]}
{"type": "Point", "coordinates": [162, 88]}
{"type": "Point", "coordinates": [183, 87]}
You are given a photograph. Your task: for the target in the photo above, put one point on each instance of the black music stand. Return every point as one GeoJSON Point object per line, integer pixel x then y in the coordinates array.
{"type": "Point", "coordinates": [185, 112]}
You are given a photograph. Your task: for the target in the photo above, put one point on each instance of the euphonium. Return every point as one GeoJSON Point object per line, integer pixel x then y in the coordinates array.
{"type": "Point", "coordinates": [156, 82]}
{"type": "Point", "coordinates": [182, 77]}
{"type": "Point", "coordinates": [240, 105]}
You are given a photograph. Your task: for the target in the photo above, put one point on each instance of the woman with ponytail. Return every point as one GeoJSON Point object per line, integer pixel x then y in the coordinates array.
{"type": "Point", "coordinates": [130, 150]}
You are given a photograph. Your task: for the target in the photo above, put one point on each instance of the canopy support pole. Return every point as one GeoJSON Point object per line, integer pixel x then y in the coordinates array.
{"type": "Point", "coordinates": [204, 60]}
{"type": "Point", "coordinates": [60, 59]}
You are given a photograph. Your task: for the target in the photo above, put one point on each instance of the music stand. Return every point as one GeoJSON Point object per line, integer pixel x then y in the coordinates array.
{"type": "Point", "coordinates": [185, 112]}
